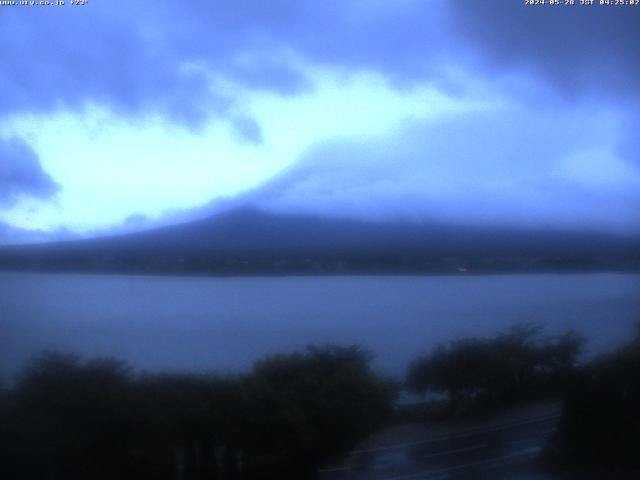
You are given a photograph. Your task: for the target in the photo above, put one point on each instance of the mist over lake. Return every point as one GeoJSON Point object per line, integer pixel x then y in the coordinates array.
{"type": "Point", "coordinates": [225, 324]}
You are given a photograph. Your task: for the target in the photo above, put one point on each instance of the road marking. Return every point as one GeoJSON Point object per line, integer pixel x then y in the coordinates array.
{"type": "Point", "coordinates": [431, 474]}
{"type": "Point", "coordinates": [544, 436]}
{"type": "Point", "coordinates": [457, 450]}
{"type": "Point", "coordinates": [466, 433]}
{"type": "Point", "coordinates": [333, 469]}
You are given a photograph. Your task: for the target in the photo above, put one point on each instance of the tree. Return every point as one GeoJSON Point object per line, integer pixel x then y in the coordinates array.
{"type": "Point", "coordinates": [477, 372]}
{"type": "Point", "coordinates": [305, 408]}
{"type": "Point", "coordinates": [73, 418]}
{"type": "Point", "coordinates": [600, 424]}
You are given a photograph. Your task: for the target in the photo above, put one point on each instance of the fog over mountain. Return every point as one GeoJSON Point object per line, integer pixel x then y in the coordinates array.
{"type": "Point", "coordinates": [250, 241]}
{"type": "Point", "coordinates": [441, 111]}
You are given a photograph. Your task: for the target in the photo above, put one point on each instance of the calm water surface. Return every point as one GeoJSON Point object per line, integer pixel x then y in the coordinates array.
{"type": "Point", "coordinates": [184, 323]}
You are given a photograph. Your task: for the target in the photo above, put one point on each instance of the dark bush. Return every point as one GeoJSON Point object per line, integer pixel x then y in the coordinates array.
{"type": "Point", "coordinates": [305, 408]}
{"type": "Point", "coordinates": [67, 419]}
{"type": "Point", "coordinates": [600, 424]}
{"type": "Point", "coordinates": [488, 373]}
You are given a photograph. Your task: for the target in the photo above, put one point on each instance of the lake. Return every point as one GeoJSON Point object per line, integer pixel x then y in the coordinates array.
{"type": "Point", "coordinates": [224, 324]}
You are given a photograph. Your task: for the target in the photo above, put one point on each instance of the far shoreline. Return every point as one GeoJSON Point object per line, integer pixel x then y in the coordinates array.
{"type": "Point", "coordinates": [269, 275]}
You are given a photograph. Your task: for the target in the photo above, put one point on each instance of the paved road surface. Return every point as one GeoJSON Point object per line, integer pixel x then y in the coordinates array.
{"type": "Point", "coordinates": [505, 450]}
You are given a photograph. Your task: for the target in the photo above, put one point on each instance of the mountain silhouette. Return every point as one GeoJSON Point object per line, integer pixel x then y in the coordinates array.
{"type": "Point", "coordinates": [247, 240]}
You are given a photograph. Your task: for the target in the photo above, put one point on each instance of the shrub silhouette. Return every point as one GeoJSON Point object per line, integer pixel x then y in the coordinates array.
{"type": "Point", "coordinates": [179, 424]}
{"type": "Point", "coordinates": [305, 408]}
{"type": "Point", "coordinates": [600, 425]}
{"type": "Point", "coordinates": [486, 373]}
{"type": "Point", "coordinates": [69, 419]}
{"type": "Point", "coordinates": [72, 420]}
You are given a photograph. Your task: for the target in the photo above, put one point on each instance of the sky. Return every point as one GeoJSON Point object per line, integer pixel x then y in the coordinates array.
{"type": "Point", "coordinates": [119, 115]}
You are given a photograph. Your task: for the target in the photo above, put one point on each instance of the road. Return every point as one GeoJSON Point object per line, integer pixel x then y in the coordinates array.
{"type": "Point", "coordinates": [506, 450]}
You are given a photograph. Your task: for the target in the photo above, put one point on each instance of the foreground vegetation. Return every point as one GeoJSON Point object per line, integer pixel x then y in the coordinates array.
{"type": "Point", "coordinates": [479, 374]}
{"type": "Point", "coordinates": [600, 425]}
{"type": "Point", "coordinates": [71, 419]}
{"type": "Point", "coordinates": [67, 419]}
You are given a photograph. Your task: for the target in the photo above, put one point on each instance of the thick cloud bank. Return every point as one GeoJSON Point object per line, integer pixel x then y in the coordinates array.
{"type": "Point", "coordinates": [21, 173]}
{"type": "Point", "coordinates": [549, 137]}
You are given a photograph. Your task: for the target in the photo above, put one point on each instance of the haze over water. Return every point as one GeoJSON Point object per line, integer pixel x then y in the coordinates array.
{"type": "Point", "coordinates": [224, 324]}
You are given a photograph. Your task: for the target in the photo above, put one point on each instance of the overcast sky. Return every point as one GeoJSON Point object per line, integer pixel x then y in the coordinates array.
{"type": "Point", "coordinates": [121, 114]}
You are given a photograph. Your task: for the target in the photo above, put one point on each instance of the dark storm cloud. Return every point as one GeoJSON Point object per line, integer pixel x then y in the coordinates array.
{"type": "Point", "coordinates": [141, 56]}
{"type": "Point", "coordinates": [64, 59]}
{"type": "Point", "coordinates": [21, 173]}
{"type": "Point", "coordinates": [132, 57]}
{"type": "Point", "coordinates": [158, 56]}
{"type": "Point", "coordinates": [586, 54]}
{"type": "Point", "coordinates": [578, 48]}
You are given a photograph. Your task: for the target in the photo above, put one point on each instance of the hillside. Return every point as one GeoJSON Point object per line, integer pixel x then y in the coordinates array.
{"type": "Point", "coordinates": [249, 241]}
